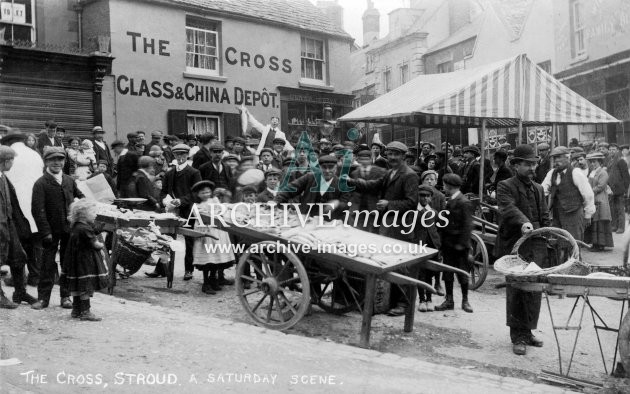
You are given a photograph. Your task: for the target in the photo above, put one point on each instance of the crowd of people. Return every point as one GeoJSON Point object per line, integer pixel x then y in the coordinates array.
{"type": "Point", "coordinates": [581, 189]}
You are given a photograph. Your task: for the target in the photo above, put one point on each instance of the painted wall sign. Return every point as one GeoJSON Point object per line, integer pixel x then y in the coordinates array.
{"type": "Point", "coordinates": [15, 13]}
{"type": "Point", "coordinates": [234, 57]}
{"type": "Point", "coordinates": [194, 92]}
{"type": "Point", "coordinates": [147, 44]}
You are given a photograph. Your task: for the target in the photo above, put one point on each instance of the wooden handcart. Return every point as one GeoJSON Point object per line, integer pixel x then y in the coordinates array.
{"type": "Point", "coordinates": [277, 285]}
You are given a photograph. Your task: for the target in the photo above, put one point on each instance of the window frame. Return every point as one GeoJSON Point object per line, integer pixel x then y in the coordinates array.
{"type": "Point", "coordinates": [217, 71]}
{"type": "Point", "coordinates": [577, 29]}
{"type": "Point", "coordinates": [206, 115]}
{"type": "Point", "coordinates": [32, 25]}
{"type": "Point", "coordinates": [323, 61]}
{"type": "Point", "coordinates": [404, 73]}
{"type": "Point", "coordinates": [387, 80]}
{"type": "Point", "coordinates": [448, 64]}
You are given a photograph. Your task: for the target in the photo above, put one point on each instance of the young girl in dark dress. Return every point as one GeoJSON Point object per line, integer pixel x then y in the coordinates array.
{"type": "Point", "coordinates": [84, 270]}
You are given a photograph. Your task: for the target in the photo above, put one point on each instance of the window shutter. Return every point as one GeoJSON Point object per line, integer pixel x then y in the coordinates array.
{"type": "Point", "coordinates": [177, 122]}
{"type": "Point", "coordinates": [231, 125]}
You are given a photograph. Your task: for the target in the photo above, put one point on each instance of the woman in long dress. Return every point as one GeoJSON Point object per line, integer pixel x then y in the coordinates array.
{"type": "Point", "coordinates": [599, 233]}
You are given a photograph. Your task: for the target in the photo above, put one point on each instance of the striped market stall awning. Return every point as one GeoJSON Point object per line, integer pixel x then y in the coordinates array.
{"type": "Point", "coordinates": [503, 93]}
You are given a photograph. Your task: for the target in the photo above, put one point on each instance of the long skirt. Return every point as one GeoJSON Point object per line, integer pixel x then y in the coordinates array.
{"type": "Point", "coordinates": [599, 233]}
{"type": "Point", "coordinates": [203, 252]}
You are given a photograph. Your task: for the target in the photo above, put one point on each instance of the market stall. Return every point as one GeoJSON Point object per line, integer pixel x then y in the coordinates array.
{"type": "Point", "coordinates": [514, 92]}
{"type": "Point", "coordinates": [137, 235]}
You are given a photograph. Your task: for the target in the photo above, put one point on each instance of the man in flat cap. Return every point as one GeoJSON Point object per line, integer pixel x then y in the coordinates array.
{"type": "Point", "coordinates": [571, 198]}
{"type": "Point", "coordinates": [522, 208]}
{"type": "Point", "coordinates": [398, 192]}
{"type": "Point", "coordinates": [214, 170]}
{"type": "Point", "coordinates": [156, 140]}
{"type": "Point", "coordinates": [325, 146]}
{"type": "Point", "coordinates": [619, 181]}
{"type": "Point", "coordinates": [177, 194]}
{"type": "Point", "coordinates": [503, 172]}
{"type": "Point", "coordinates": [12, 222]}
{"type": "Point", "coordinates": [48, 137]}
{"type": "Point", "coordinates": [471, 170]}
{"type": "Point", "coordinates": [52, 195]}
{"type": "Point", "coordinates": [365, 202]}
{"type": "Point", "coordinates": [203, 156]}
{"type": "Point", "coordinates": [100, 147]}
{"type": "Point", "coordinates": [128, 163]}
{"type": "Point", "coordinates": [317, 187]}
{"type": "Point", "coordinates": [544, 165]}
{"type": "Point", "coordinates": [266, 161]}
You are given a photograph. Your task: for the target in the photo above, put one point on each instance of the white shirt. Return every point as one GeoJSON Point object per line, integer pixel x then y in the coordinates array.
{"type": "Point", "coordinates": [272, 191]}
{"type": "Point", "coordinates": [324, 185]}
{"type": "Point", "coordinates": [179, 167]}
{"type": "Point", "coordinates": [457, 193]}
{"type": "Point", "coordinates": [27, 169]}
{"type": "Point", "coordinates": [58, 177]}
{"type": "Point", "coordinates": [581, 182]}
{"type": "Point", "coordinates": [424, 208]}
{"type": "Point", "coordinates": [101, 144]}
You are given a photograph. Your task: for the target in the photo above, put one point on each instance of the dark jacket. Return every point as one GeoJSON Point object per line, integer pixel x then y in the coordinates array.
{"type": "Point", "coordinates": [456, 235]}
{"type": "Point", "coordinates": [618, 176]}
{"type": "Point", "coordinates": [178, 184]}
{"type": "Point", "coordinates": [265, 196]}
{"type": "Point", "coordinates": [427, 234]}
{"type": "Point", "coordinates": [381, 162]}
{"type": "Point", "coordinates": [542, 169]}
{"type": "Point", "coordinates": [302, 188]}
{"type": "Point", "coordinates": [43, 141]}
{"type": "Point", "coordinates": [503, 173]}
{"type": "Point", "coordinates": [201, 157]}
{"type": "Point", "coordinates": [127, 165]}
{"type": "Point", "coordinates": [144, 188]}
{"type": "Point", "coordinates": [515, 209]}
{"type": "Point", "coordinates": [401, 192]}
{"type": "Point", "coordinates": [103, 154]}
{"type": "Point", "coordinates": [13, 227]}
{"type": "Point", "coordinates": [51, 202]}
{"type": "Point", "coordinates": [470, 177]}
{"type": "Point", "coordinates": [225, 179]}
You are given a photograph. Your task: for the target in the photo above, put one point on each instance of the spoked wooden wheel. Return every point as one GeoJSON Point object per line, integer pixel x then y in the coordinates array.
{"type": "Point", "coordinates": [272, 287]}
{"type": "Point", "coordinates": [480, 262]}
{"type": "Point", "coordinates": [338, 292]}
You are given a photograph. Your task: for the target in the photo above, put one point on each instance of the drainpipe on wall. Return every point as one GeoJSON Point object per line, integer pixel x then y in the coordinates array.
{"type": "Point", "coordinates": [78, 8]}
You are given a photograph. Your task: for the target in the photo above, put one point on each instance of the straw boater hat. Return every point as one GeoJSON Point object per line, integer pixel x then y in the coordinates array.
{"type": "Point", "coordinates": [12, 136]}
{"type": "Point", "coordinates": [595, 156]}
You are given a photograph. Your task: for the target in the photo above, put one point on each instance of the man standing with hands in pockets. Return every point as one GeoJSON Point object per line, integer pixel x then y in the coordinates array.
{"type": "Point", "coordinates": [522, 208]}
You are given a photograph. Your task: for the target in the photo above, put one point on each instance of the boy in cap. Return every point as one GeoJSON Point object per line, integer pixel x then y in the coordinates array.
{"type": "Point", "coordinates": [52, 195]}
{"type": "Point", "coordinates": [522, 208]}
{"type": "Point", "coordinates": [426, 232]}
{"type": "Point", "coordinates": [455, 238]}
{"type": "Point", "coordinates": [272, 180]}
{"type": "Point", "coordinates": [156, 140]}
{"type": "Point", "coordinates": [12, 222]}
{"type": "Point", "coordinates": [267, 161]}
{"type": "Point", "coordinates": [177, 185]}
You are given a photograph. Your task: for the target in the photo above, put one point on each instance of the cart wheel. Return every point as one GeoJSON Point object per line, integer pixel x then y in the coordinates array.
{"type": "Point", "coordinates": [480, 262]}
{"type": "Point", "coordinates": [272, 287]}
{"type": "Point", "coordinates": [339, 292]}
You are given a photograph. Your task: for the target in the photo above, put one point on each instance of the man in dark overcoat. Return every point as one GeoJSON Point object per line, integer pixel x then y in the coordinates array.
{"type": "Point", "coordinates": [12, 222]}
{"type": "Point", "coordinates": [101, 149]}
{"type": "Point", "coordinates": [522, 208]}
{"type": "Point", "coordinates": [362, 202]}
{"type": "Point", "coordinates": [471, 170]}
{"type": "Point", "coordinates": [619, 181]}
{"type": "Point", "coordinates": [398, 195]}
{"type": "Point", "coordinates": [52, 195]}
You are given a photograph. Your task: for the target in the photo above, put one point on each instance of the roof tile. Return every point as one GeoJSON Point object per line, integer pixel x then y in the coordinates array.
{"type": "Point", "coordinates": [299, 14]}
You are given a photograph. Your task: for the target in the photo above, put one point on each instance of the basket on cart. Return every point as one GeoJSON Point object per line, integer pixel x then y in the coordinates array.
{"type": "Point", "coordinates": [129, 256]}
{"type": "Point", "coordinates": [516, 267]}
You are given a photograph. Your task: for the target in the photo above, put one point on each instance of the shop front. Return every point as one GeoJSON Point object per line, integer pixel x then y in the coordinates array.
{"type": "Point", "coordinates": [183, 68]}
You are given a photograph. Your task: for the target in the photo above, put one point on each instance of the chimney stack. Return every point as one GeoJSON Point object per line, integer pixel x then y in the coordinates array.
{"type": "Point", "coordinates": [371, 24]}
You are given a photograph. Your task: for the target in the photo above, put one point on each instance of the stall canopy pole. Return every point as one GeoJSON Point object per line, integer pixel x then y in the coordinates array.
{"type": "Point", "coordinates": [553, 135]}
{"type": "Point", "coordinates": [418, 135]}
{"type": "Point", "coordinates": [520, 132]}
{"type": "Point", "coordinates": [446, 152]}
{"type": "Point", "coordinates": [483, 158]}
